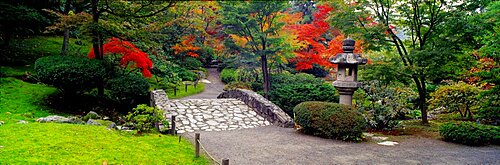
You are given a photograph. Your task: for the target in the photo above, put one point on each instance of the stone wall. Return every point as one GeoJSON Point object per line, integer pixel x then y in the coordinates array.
{"type": "Point", "coordinates": [159, 99]}
{"type": "Point", "coordinates": [261, 105]}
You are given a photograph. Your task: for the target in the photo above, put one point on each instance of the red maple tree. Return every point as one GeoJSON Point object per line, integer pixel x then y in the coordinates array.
{"type": "Point", "coordinates": [129, 52]}
{"type": "Point", "coordinates": [316, 49]}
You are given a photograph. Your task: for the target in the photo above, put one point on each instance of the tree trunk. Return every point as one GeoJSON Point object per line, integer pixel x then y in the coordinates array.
{"type": "Point", "coordinates": [64, 50]}
{"type": "Point", "coordinates": [96, 45]}
{"type": "Point", "coordinates": [423, 104]}
{"type": "Point", "coordinates": [265, 74]}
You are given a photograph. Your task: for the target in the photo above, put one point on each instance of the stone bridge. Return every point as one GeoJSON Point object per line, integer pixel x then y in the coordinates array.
{"type": "Point", "coordinates": [234, 109]}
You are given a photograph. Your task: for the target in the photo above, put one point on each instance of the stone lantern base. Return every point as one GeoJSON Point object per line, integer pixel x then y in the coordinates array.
{"type": "Point", "coordinates": [346, 90]}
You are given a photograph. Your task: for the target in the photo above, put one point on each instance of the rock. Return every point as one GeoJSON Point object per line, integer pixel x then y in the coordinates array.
{"type": "Point", "coordinates": [366, 134]}
{"type": "Point", "coordinates": [91, 115]}
{"type": "Point", "coordinates": [1, 123]}
{"type": "Point", "coordinates": [22, 122]}
{"type": "Point", "coordinates": [106, 118]}
{"type": "Point", "coordinates": [126, 128]}
{"type": "Point", "coordinates": [54, 119]}
{"type": "Point", "coordinates": [92, 122]}
{"type": "Point", "coordinates": [112, 125]}
{"type": "Point", "coordinates": [379, 138]}
{"type": "Point", "coordinates": [388, 143]}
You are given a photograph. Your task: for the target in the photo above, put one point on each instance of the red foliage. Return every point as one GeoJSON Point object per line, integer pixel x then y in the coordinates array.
{"type": "Point", "coordinates": [317, 51]}
{"type": "Point", "coordinates": [129, 52]}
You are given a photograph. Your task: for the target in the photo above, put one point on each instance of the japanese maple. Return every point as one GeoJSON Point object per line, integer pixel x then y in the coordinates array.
{"type": "Point", "coordinates": [187, 46]}
{"type": "Point", "coordinates": [315, 48]}
{"type": "Point", "coordinates": [129, 52]}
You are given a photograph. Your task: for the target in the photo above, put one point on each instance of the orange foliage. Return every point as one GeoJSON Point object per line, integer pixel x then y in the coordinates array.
{"type": "Point", "coordinates": [186, 45]}
{"type": "Point", "coordinates": [316, 49]}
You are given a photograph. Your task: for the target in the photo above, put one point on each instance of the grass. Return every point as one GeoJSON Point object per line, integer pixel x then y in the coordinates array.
{"type": "Point", "coordinates": [181, 90]}
{"type": "Point", "coordinates": [15, 71]}
{"type": "Point", "coordinates": [51, 143]}
{"type": "Point", "coordinates": [26, 51]}
{"type": "Point", "coordinates": [22, 101]}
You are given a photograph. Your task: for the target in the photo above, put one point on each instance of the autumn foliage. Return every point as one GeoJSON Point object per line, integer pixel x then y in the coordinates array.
{"type": "Point", "coordinates": [187, 46]}
{"type": "Point", "coordinates": [315, 48]}
{"type": "Point", "coordinates": [129, 52]}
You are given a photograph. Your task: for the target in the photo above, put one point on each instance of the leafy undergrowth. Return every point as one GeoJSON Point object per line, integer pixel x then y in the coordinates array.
{"type": "Point", "coordinates": [41, 143]}
{"type": "Point", "coordinates": [22, 101]}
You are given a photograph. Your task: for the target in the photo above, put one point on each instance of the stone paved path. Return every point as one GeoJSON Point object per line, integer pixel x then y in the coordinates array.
{"type": "Point", "coordinates": [213, 115]}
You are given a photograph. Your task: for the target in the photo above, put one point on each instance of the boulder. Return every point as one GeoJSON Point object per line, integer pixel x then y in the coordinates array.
{"type": "Point", "coordinates": [22, 122]}
{"type": "Point", "coordinates": [91, 115]}
{"type": "Point", "coordinates": [59, 119]}
{"type": "Point", "coordinates": [92, 122]}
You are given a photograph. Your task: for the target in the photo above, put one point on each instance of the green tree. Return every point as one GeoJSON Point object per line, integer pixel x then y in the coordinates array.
{"type": "Point", "coordinates": [413, 29]}
{"type": "Point", "coordinates": [256, 22]}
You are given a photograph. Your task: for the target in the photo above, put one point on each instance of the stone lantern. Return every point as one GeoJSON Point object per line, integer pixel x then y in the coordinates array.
{"type": "Point", "coordinates": [347, 71]}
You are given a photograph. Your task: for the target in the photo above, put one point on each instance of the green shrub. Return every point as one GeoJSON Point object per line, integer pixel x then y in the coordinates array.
{"type": "Point", "coordinates": [288, 90]}
{"type": "Point", "coordinates": [191, 63]}
{"type": "Point", "coordinates": [143, 118]}
{"type": "Point", "coordinates": [228, 75]}
{"type": "Point", "coordinates": [330, 120]}
{"type": "Point", "coordinates": [237, 85]}
{"type": "Point", "coordinates": [187, 75]}
{"type": "Point", "coordinates": [128, 88]}
{"type": "Point", "coordinates": [70, 74]}
{"type": "Point", "coordinates": [470, 133]}
{"type": "Point", "coordinates": [490, 109]}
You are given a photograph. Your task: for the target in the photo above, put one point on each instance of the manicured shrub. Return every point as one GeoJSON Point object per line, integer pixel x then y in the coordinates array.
{"type": "Point", "coordinates": [470, 133]}
{"type": "Point", "coordinates": [70, 74]}
{"type": "Point", "coordinates": [459, 97]}
{"type": "Point", "coordinates": [128, 88]}
{"type": "Point", "coordinates": [229, 75]}
{"type": "Point", "coordinates": [143, 118]}
{"type": "Point", "coordinates": [330, 120]}
{"type": "Point", "coordinates": [288, 90]}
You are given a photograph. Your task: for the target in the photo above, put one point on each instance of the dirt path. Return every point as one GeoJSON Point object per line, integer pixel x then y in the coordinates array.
{"type": "Point", "coordinates": [276, 145]}
{"type": "Point", "coordinates": [212, 89]}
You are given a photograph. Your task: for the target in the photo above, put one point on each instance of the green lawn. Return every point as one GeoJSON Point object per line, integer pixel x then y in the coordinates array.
{"type": "Point", "coordinates": [181, 89]}
{"type": "Point", "coordinates": [21, 101]}
{"type": "Point", "coordinates": [51, 143]}
{"type": "Point", "coordinates": [26, 51]}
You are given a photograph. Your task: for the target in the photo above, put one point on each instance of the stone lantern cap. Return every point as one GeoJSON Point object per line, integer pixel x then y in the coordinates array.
{"type": "Point", "coordinates": [348, 57]}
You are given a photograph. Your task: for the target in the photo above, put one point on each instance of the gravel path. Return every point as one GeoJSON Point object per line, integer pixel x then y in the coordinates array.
{"type": "Point", "coordinates": [212, 89]}
{"type": "Point", "coordinates": [276, 145]}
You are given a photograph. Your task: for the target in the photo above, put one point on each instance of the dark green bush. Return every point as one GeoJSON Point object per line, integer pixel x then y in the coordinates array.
{"type": "Point", "coordinates": [70, 74]}
{"type": "Point", "coordinates": [187, 75]}
{"type": "Point", "coordinates": [470, 133]}
{"type": "Point", "coordinates": [191, 63]}
{"type": "Point", "coordinates": [128, 88]}
{"type": "Point", "coordinates": [288, 90]}
{"type": "Point", "coordinates": [330, 120]}
{"type": "Point", "coordinates": [143, 118]}
{"type": "Point", "coordinates": [229, 75]}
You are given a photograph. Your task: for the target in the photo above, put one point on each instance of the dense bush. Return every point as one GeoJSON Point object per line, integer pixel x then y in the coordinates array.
{"type": "Point", "coordinates": [384, 105]}
{"type": "Point", "coordinates": [288, 90]}
{"type": "Point", "coordinates": [143, 118]}
{"type": "Point", "coordinates": [229, 75]}
{"type": "Point", "coordinates": [191, 63]}
{"type": "Point", "coordinates": [490, 110]}
{"type": "Point", "coordinates": [70, 74]}
{"type": "Point", "coordinates": [187, 75]}
{"type": "Point", "coordinates": [330, 120]}
{"type": "Point", "coordinates": [460, 97]}
{"type": "Point", "coordinates": [470, 133]}
{"type": "Point", "coordinates": [128, 88]}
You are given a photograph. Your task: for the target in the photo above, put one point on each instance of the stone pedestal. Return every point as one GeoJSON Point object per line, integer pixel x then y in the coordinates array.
{"type": "Point", "coordinates": [346, 90]}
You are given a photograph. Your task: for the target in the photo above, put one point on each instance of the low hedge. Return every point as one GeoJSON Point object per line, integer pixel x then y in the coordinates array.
{"type": "Point", "coordinates": [330, 120]}
{"type": "Point", "coordinates": [470, 133]}
{"type": "Point", "coordinates": [70, 74]}
{"type": "Point", "coordinates": [128, 88]}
